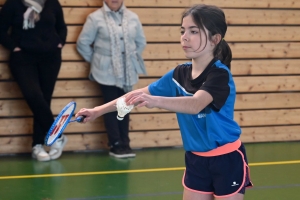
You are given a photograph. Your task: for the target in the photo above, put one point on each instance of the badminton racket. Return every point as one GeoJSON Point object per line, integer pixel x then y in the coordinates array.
{"type": "Point", "coordinates": [61, 122]}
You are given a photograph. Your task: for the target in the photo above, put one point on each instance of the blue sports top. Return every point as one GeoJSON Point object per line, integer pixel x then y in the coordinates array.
{"type": "Point", "coordinates": [214, 126]}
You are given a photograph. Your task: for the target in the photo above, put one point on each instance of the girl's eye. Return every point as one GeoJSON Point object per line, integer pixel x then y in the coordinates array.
{"type": "Point", "coordinates": [181, 32]}
{"type": "Point", "coordinates": [194, 32]}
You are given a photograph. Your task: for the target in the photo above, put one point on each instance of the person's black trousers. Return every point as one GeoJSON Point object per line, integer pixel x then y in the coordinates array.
{"type": "Point", "coordinates": [36, 74]}
{"type": "Point", "coordinates": [117, 130]}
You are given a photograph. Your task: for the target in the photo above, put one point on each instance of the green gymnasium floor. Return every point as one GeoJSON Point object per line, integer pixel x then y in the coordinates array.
{"type": "Point", "coordinates": [153, 174]}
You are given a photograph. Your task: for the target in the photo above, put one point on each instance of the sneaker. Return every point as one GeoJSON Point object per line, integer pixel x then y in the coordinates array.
{"type": "Point", "coordinates": [119, 151]}
{"type": "Point", "coordinates": [57, 147]}
{"type": "Point", "coordinates": [129, 151]}
{"type": "Point", "coordinates": [39, 153]}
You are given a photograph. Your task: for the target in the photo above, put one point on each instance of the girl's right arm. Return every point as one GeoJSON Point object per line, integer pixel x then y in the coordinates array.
{"type": "Point", "coordinates": [93, 113]}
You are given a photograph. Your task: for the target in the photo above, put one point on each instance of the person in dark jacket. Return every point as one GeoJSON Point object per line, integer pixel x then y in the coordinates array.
{"type": "Point", "coordinates": [34, 31]}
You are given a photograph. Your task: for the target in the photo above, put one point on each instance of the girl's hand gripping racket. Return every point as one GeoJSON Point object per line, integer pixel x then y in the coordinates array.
{"type": "Point", "coordinates": [122, 108]}
{"type": "Point", "coordinates": [61, 122]}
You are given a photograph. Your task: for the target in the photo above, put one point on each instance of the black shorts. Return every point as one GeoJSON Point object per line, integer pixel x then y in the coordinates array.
{"type": "Point", "coordinates": [222, 175]}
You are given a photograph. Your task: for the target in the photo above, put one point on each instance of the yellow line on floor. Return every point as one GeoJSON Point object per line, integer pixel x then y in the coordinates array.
{"type": "Point", "coordinates": [135, 171]}
{"type": "Point", "coordinates": [275, 163]}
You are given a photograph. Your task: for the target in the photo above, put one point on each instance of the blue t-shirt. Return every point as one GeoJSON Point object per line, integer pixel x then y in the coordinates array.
{"type": "Point", "coordinates": [214, 126]}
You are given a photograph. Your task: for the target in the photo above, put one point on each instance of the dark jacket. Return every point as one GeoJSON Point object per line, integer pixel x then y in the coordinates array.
{"type": "Point", "coordinates": [48, 32]}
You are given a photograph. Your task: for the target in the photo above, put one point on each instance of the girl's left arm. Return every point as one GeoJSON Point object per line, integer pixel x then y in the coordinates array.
{"type": "Point", "coordinates": [190, 105]}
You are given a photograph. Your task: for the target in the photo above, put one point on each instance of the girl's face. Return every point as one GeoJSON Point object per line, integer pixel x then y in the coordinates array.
{"type": "Point", "coordinates": [114, 5]}
{"type": "Point", "coordinates": [193, 40]}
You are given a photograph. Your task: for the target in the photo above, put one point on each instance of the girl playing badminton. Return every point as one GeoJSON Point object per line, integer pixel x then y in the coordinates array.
{"type": "Point", "coordinates": [202, 93]}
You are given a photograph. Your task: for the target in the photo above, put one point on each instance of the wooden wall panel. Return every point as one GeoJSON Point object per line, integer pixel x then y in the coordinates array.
{"type": "Point", "coordinates": [174, 51]}
{"type": "Point", "coordinates": [80, 70]}
{"type": "Point", "coordinates": [239, 50]}
{"type": "Point", "coordinates": [271, 134]}
{"type": "Point", "coordinates": [264, 36]}
{"type": "Point", "coordinates": [234, 33]}
{"type": "Point", "coordinates": [221, 3]}
{"type": "Point", "coordinates": [160, 121]}
{"type": "Point", "coordinates": [78, 88]}
{"type": "Point", "coordinates": [151, 16]}
{"type": "Point", "coordinates": [19, 108]}
{"type": "Point", "coordinates": [66, 88]}
{"type": "Point", "coordinates": [186, 3]}
{"type": "Point", "coordinates": [146, 139]}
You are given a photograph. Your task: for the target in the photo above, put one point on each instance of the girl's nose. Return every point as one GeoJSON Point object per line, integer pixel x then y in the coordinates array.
{"type": "Point", "coordinates": [184, 37]}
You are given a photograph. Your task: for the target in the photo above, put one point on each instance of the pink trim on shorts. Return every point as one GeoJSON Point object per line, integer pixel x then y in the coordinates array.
{"type": "Point", "coordinates": [251, 184]}
{"type": "Point", "coordinates": [244, 179]}
{"type": "Point", "coordinates": [227, 148]}
{"type": "Point", "coordinates": [196, 191]}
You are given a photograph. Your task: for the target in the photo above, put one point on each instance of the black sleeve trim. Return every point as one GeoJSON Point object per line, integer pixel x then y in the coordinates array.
{"type": "Point", "coordinates": [217, 85]}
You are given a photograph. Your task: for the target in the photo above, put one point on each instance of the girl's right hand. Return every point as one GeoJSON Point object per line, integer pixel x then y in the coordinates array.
{"type": "Point", "coordinates": [90, 114]}
{"type": "Point", "coordinates": [17, 49]}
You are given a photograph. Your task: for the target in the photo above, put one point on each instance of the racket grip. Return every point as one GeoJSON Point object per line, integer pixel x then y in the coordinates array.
{"type": "Point", "coordinates": [80, 118]}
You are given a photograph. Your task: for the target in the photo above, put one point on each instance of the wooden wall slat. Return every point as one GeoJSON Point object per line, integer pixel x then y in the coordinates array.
{"type": "Point", "coordinates": [62, 89]}
{"type": "Point", "coordinates": [267, 101]}
{"type": "Point", "coordinates": [262, 33]}
{"type": "Point", "coordinates": [159, 68]}
{"type": "Point", "coordinates": [69, 70]}
{"type": "Point", "coordinates": [17, 108]}
{"type": "Point", "coordinates": [253, 16]}
{"type": "Point", "coordinates": [5, 72]}
{"type": "Point", "coordinates": [270, 134]}
{"type": "Point", "coordinates": [21, 144]}
{"type": "Point", "coordinates": [155, 139]}
{"type": "Point", "coordinates": [19, 126]}
{"type": "Point", "coordinates": [220, 3]}
{"type": "Point", "coordinates": [79, 70]}
{"type": "Point", "coordinates": [160, 121]}
{"type": "Point", "coordinates": [265, 50]}
{"type": "Point", "coordinates": [243, 118]}
{"type": "Point", "coordinates": [173, 16]}
{"type": "Point", "coordinates": [267, 83]}
{"type": "Point", "coordinates": [265, 67]}
{"type": "Point", "coordinates": [79, 88]}
{"type": "Point", "coordinates": [174, 51]}
{"type": "Point", "coordinates": [267, 117]}
{"type": "Point", "coordinates": [74, 70]}
{"type": "Point", "coordinates": [186, 3]}
{"type": "Point", "coordinates": [239, 50]}
{"type": "Point", "coordinates": [73, 32]}
{"type": "Point", "coordinates": [4, 54]}
{"type": "Point", "coordinates": [88, 88]}
{"type": "Point", "coordinates": [69, 52]}
{"type": "Point", "coordinates": [234, 33]}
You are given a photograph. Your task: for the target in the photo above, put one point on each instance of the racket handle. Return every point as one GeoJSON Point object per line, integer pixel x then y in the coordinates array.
{"type": "Point", "coordinates": [80, 118]}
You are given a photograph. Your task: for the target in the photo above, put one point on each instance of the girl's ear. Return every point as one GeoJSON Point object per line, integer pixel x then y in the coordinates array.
{"type": "Point", "coordinates": [216, 38]}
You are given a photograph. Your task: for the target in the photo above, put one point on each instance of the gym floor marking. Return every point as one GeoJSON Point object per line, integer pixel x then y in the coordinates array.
{"type": "Point", "coordinates": [135, 171]}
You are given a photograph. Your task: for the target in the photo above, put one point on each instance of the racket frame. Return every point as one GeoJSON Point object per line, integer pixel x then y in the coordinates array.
{"type": "Point", "coordinates": [58, 118]}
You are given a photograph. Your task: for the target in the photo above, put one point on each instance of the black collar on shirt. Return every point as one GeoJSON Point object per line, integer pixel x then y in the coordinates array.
{"type": "Point", "coordinates": [202, 76]}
